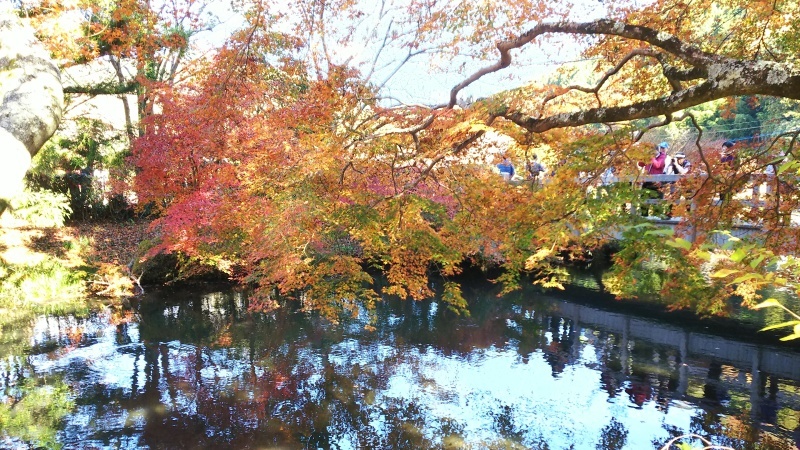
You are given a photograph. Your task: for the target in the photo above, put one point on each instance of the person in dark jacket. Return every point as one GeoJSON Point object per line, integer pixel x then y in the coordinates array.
{"type": "Point", "coordinates": [727, 153]}
{"type": "Point", "coordinates": [727, 157]}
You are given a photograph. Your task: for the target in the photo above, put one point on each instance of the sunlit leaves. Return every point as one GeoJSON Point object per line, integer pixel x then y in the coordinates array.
{"type": "Point", "coordinates": [281, 153]}
{"type": "Point", "coordinates": [795, 324]}
{"type": "Point", "coordinates": [722, 273]}
{"type": "Point", "coordinates": [35, 413]}
{"type": "Point", "coordinates": [768, 303]}
{"type": "Point", "coordinates": [679, 243]}
{"type": "Point", "coordinates": [454, 299]}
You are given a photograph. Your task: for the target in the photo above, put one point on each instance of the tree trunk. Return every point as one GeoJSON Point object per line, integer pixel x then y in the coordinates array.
{"type": "Point", "coordinates": [32, 101]}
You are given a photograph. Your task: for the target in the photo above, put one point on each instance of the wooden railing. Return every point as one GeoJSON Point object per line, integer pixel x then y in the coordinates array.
{"type": "Point", "coordinates": [759, 183]}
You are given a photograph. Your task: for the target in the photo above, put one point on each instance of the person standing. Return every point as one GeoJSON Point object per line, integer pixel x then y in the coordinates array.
{"type": "Point", "coordinates": [656, 167]}
{"type": "Point", "coordinates": [727, 153]}
{"type": "Point", "coordinates": [535, 169]}
{"type": "Point", "coordinates": [728, 158]}
{"type": "Point", "coordinates": [506, 168]}
{"type": "Point", "coordinates": [657, 162]}
{"type": "Point", "coordinates": [679, 165]}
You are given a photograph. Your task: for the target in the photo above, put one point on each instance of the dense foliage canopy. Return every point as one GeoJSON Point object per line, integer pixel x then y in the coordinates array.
{"type": "Point", "coordinates": [286, 157]}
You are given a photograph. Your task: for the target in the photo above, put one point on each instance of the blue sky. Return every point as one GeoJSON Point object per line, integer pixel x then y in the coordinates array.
{"type": "Point", "coordinates": [426, 79]}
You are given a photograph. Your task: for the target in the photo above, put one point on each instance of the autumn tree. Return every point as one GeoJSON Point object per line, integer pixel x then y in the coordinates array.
{"type": "Point", "coordinates": [147, 44]}
{"type": "Point", "coordinates": [288, 162]}
{"type": "Point", "coordinates": [125, 50]}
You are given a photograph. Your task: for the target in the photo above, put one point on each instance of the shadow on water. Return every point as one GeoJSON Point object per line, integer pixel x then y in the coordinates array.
{"type": "Point", "coordinates": [197, 370]}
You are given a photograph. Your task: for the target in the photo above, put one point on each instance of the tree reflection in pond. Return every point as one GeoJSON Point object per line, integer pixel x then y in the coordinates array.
{"type": "Point", "coordinates": [202, 372]}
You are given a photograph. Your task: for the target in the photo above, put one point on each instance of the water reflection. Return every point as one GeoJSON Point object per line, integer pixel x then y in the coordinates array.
{"type": "Point", "coordinates": [197, 370]}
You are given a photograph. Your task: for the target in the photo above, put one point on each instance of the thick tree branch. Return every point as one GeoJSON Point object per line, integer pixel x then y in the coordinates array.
{"type": "Point", "coordinates": [671, 44]}
{"type": "Point", "coordinates": [728, 79]}
{"type": "Point", "coordinates": [723, 76]}
{"type": "Point", "coordinates": [108, 88]}
{"type": "Point", "coordinates": [650, 108]}
{"type": "Point", "coordinates": [31, 101]}
{"type": "Point", "coordinates": [695, 73]}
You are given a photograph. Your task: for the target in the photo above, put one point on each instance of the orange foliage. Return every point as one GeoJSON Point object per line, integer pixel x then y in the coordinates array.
{"type": "Point", "coordinates": [284, 159]}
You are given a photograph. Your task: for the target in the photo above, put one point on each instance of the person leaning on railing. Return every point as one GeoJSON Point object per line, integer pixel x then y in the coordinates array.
{"type": "Point", "coordinates": [506, 168]}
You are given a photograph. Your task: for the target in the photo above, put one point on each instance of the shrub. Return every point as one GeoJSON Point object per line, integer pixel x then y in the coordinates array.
{"type": "Point", "coordinates": [47, 286]}
{"type": "Point", "coordinates": [41, 209]}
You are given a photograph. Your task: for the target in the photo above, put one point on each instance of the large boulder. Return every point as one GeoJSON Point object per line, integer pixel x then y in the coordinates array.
{"type": "Point", "coordinates": [31, 101]}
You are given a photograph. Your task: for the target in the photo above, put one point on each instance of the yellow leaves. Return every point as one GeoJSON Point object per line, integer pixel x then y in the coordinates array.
{"type": "Point", "coordinates": [768, 303]}
{"type": "Point", "coordinates": [679, 243]}
{"type": "Point", "coordinates": [703, 255]}
{"type": "Point", "coordinates": [795, 324]}
{"type": "Point", "coordinates": [451, 128]}
{"type": "Point", "coordinates": [61, 33]}
{"type": "Point", "coordinates": [536, 259]}
{"type": "Point", "coordinates": [111, 281]}
{"type": "Point", "coordinates": [470, 126]}
{"type": "Point", "coordinates": [722, 273]}
{"type": "Point", "coordinates": [551, 283]}
{"type": "Point", "coordinates": [318, 158]}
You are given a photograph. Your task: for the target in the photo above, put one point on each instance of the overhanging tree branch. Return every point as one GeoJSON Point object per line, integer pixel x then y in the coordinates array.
{"type": "Point", "coordinates": [109, 88]}
{"type": "Point", "coordinates": [720, 76]}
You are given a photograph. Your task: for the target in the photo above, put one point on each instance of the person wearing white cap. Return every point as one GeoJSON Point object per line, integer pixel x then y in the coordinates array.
{"type": "Point", "coordinates": [679, 165]}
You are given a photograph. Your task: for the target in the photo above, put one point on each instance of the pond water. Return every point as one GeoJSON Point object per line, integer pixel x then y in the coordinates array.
{"type": "Point", "coordinates": [195, 370]}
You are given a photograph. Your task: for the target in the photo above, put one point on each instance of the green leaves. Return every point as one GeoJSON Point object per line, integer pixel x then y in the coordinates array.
{"type": "Point", "coordinates": [722, 273]}
{"type": "Point", "coordinates": [748, 277]}
{"type": "Point", "coordinates": [795, 324]}
{"type": "Point", "coordinates": [660, 232]}
{"type": "Point", "coordinates": [680, 243]}
{"type": "Point", "coordinates": [740, 253]}
{"type": "Point", "coordinates": [790, 165]}
{"type": "Point", "coordinates": [454, 299]}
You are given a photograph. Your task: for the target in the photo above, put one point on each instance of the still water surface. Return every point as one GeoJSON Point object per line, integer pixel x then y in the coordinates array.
{"type": "Point", "coordinates": [196, 370]}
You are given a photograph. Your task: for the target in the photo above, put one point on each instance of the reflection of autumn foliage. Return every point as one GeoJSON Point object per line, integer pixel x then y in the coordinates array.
{"type": "Point", "coordinates": [205, 370]}
{"type": "Point", "coordinates": [638, 392]}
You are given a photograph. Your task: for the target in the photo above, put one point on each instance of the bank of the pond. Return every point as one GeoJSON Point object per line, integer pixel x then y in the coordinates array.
{"type": "Point", "coordinates": [101, 255]}
{"type": "Point", "coordinates": [46, 265]}
{"type": "Point", "coordinates": [743, 324]}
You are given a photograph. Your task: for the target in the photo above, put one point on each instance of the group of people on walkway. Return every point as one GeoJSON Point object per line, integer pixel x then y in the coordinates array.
{"type": "Point", "coordinates": [535, 169]}
{"type": "Point", "coordinates": [662, 163]}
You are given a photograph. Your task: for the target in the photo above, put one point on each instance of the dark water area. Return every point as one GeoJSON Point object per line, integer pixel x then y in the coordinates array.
{"type": "Point", "coordinates": [194, 369]}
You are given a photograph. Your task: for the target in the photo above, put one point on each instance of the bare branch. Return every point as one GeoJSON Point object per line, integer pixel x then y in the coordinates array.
{"type": "Point", "coordinates": [608, 74]}
{"type": "Point", "coordinates": [640, 134]}
{"type": "Point", "coordinates": [671, 44]}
